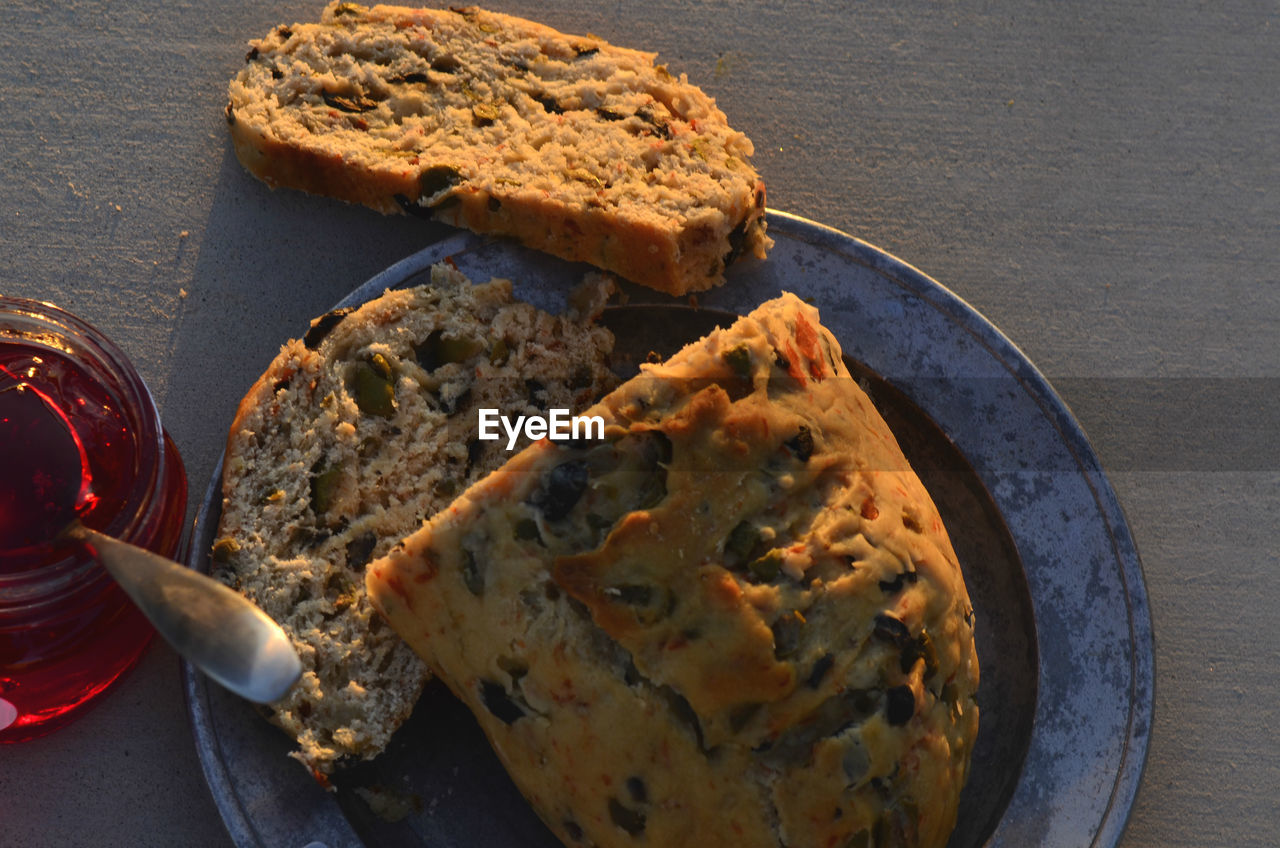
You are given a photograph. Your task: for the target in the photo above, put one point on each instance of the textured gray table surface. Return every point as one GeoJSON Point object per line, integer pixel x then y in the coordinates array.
{"type": "Point", "coordinates": [1102, 181]}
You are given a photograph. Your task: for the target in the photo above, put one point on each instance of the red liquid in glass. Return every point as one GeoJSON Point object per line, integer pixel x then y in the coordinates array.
{"type": "Point", "coordinates": [61, 653]}
{"type": "Point", "coordinates": [44, 475]}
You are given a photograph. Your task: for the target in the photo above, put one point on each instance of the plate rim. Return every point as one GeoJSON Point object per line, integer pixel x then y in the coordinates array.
{"type": "Point", "coordinates": [1140, 708]}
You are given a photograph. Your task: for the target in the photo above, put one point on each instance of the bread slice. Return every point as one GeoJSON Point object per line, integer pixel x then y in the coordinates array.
{"type": "Point", "coordinates": [350, 439]}
{"type": "Point", "coordinates": [575, 147]}
{"type": "Point", "coordinates": [736, 621]}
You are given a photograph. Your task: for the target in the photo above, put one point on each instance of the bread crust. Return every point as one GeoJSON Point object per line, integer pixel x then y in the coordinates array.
{"type": "Point", "coordinates": [566, 143]}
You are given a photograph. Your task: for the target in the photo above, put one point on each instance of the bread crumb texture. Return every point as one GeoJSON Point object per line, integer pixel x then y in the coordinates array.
{"type": "Point", "coordinates": [738, 621]}
{"type": "Point", "coordinates": [351, 438]}
{"type": "Point", "coordinates": [573, 146]}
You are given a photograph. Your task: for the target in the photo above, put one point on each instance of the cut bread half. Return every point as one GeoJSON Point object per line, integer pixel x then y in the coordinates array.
{"type": "Point", "coordinates": [735, 621]}
{"type": "Point", "coordinates": [354, 436]}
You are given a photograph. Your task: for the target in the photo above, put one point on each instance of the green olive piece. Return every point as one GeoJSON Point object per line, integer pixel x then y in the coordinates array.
{"type": "Point", "coordinates": [324, 489]}
{"type": "Point", "coordinates": [527, 530]}
{"type": "Point", "coordinates": [436, 350]}
{"type": "Point", "coordinates": [224, 549]}
{"type": "Point", "coordinates": [374, 387]}
{"type": "Point", "coordinates": [499, 353]}
{"type": "Point", "coordinates": [742, 539]}
{"type": "Point", "coordinates": [459, 350]}
{"type": "Point", "coordinates": [381, 366]}
{"type": "Point", "coordinates": [767, 566]}
{"type": "Point", "coordinates": [739, 359]}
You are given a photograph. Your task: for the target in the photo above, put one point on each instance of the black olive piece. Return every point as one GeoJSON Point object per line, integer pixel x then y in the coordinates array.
{"type": "Point", "coordinates": [632, 821]}
{"type": "Point", "coordinates": [801, 444]}
{"type": "Point", "coordinates": [499, 702]}
{"type": "Point", "coordinates": [895, 585]}
{"type": "Point", "coordinates": [251, 55]}
{"type": "Point", "coordinates": [445, 63]}
{"type": "Point", "coordinates": [276, 74]}
{"type": "Point", "coordinates": [820, 670]}
{"type": "Point", "coordinates": [346, 9]}
{"type": "Point", "coordinates": [351, 104]}
{"type": "Point", "coordinates": [472, 573]}
{"type": "Point", "coordinates": [637, 790]}
{"type": "Point", "coordinates": [583, 52]}
{"type": "Point", "coordinates": [474, 451]}
{"type": "Point", "coordinates": [360, 550]}
{"type": "Point", "coordinates": [892, 630]}
{"type": "Point", "coordinates": [920, 649]}
{"type": "Point", "coordinates": [737, 241]}
{"type": "Point", "coordinates": [284, 32]}
{"type": "Point", "coordinates": [899, 705]}
{"type": "Point", "coordinates": [646, 114]}
{"type": "Point", "coordinates": [741, 541]}
{"type": "Point", "coordinates": [573, 830]}
{"type": "Point", "coordinates": [561, 489]}
{"type": "Point", "coordinates": [609, 114]}
{"type": "Point", "coordinates": [653, 358]}
{"type": "Point", "coordinates": [415, 78]}
{"type": "Point", "coordinates": [322, 326]}
{"type": "Point", "coordinates": [786, 635]}
{"type": "Point", "coordinates": [411, 207]}
{"type": "Point", "coordinates": [527, 531]}
{"type": "Point", "coordinates": [549, 103]}
{"type": "Point", "coordinates": [435, 181]}
{"type": "Point", "coordinates": [532, 388]}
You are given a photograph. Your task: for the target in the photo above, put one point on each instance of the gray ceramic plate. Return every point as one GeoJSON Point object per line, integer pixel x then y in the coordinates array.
{"type": "Point", "coordinates": [1064, 630]}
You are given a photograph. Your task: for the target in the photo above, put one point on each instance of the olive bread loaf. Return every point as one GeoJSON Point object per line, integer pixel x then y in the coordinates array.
{"type": "Point", "coordinates": [737, 620]}
{"type": "Point", "coordinates": [353, 436]}
{"type": "Point", "coordinates": [575, 147]}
